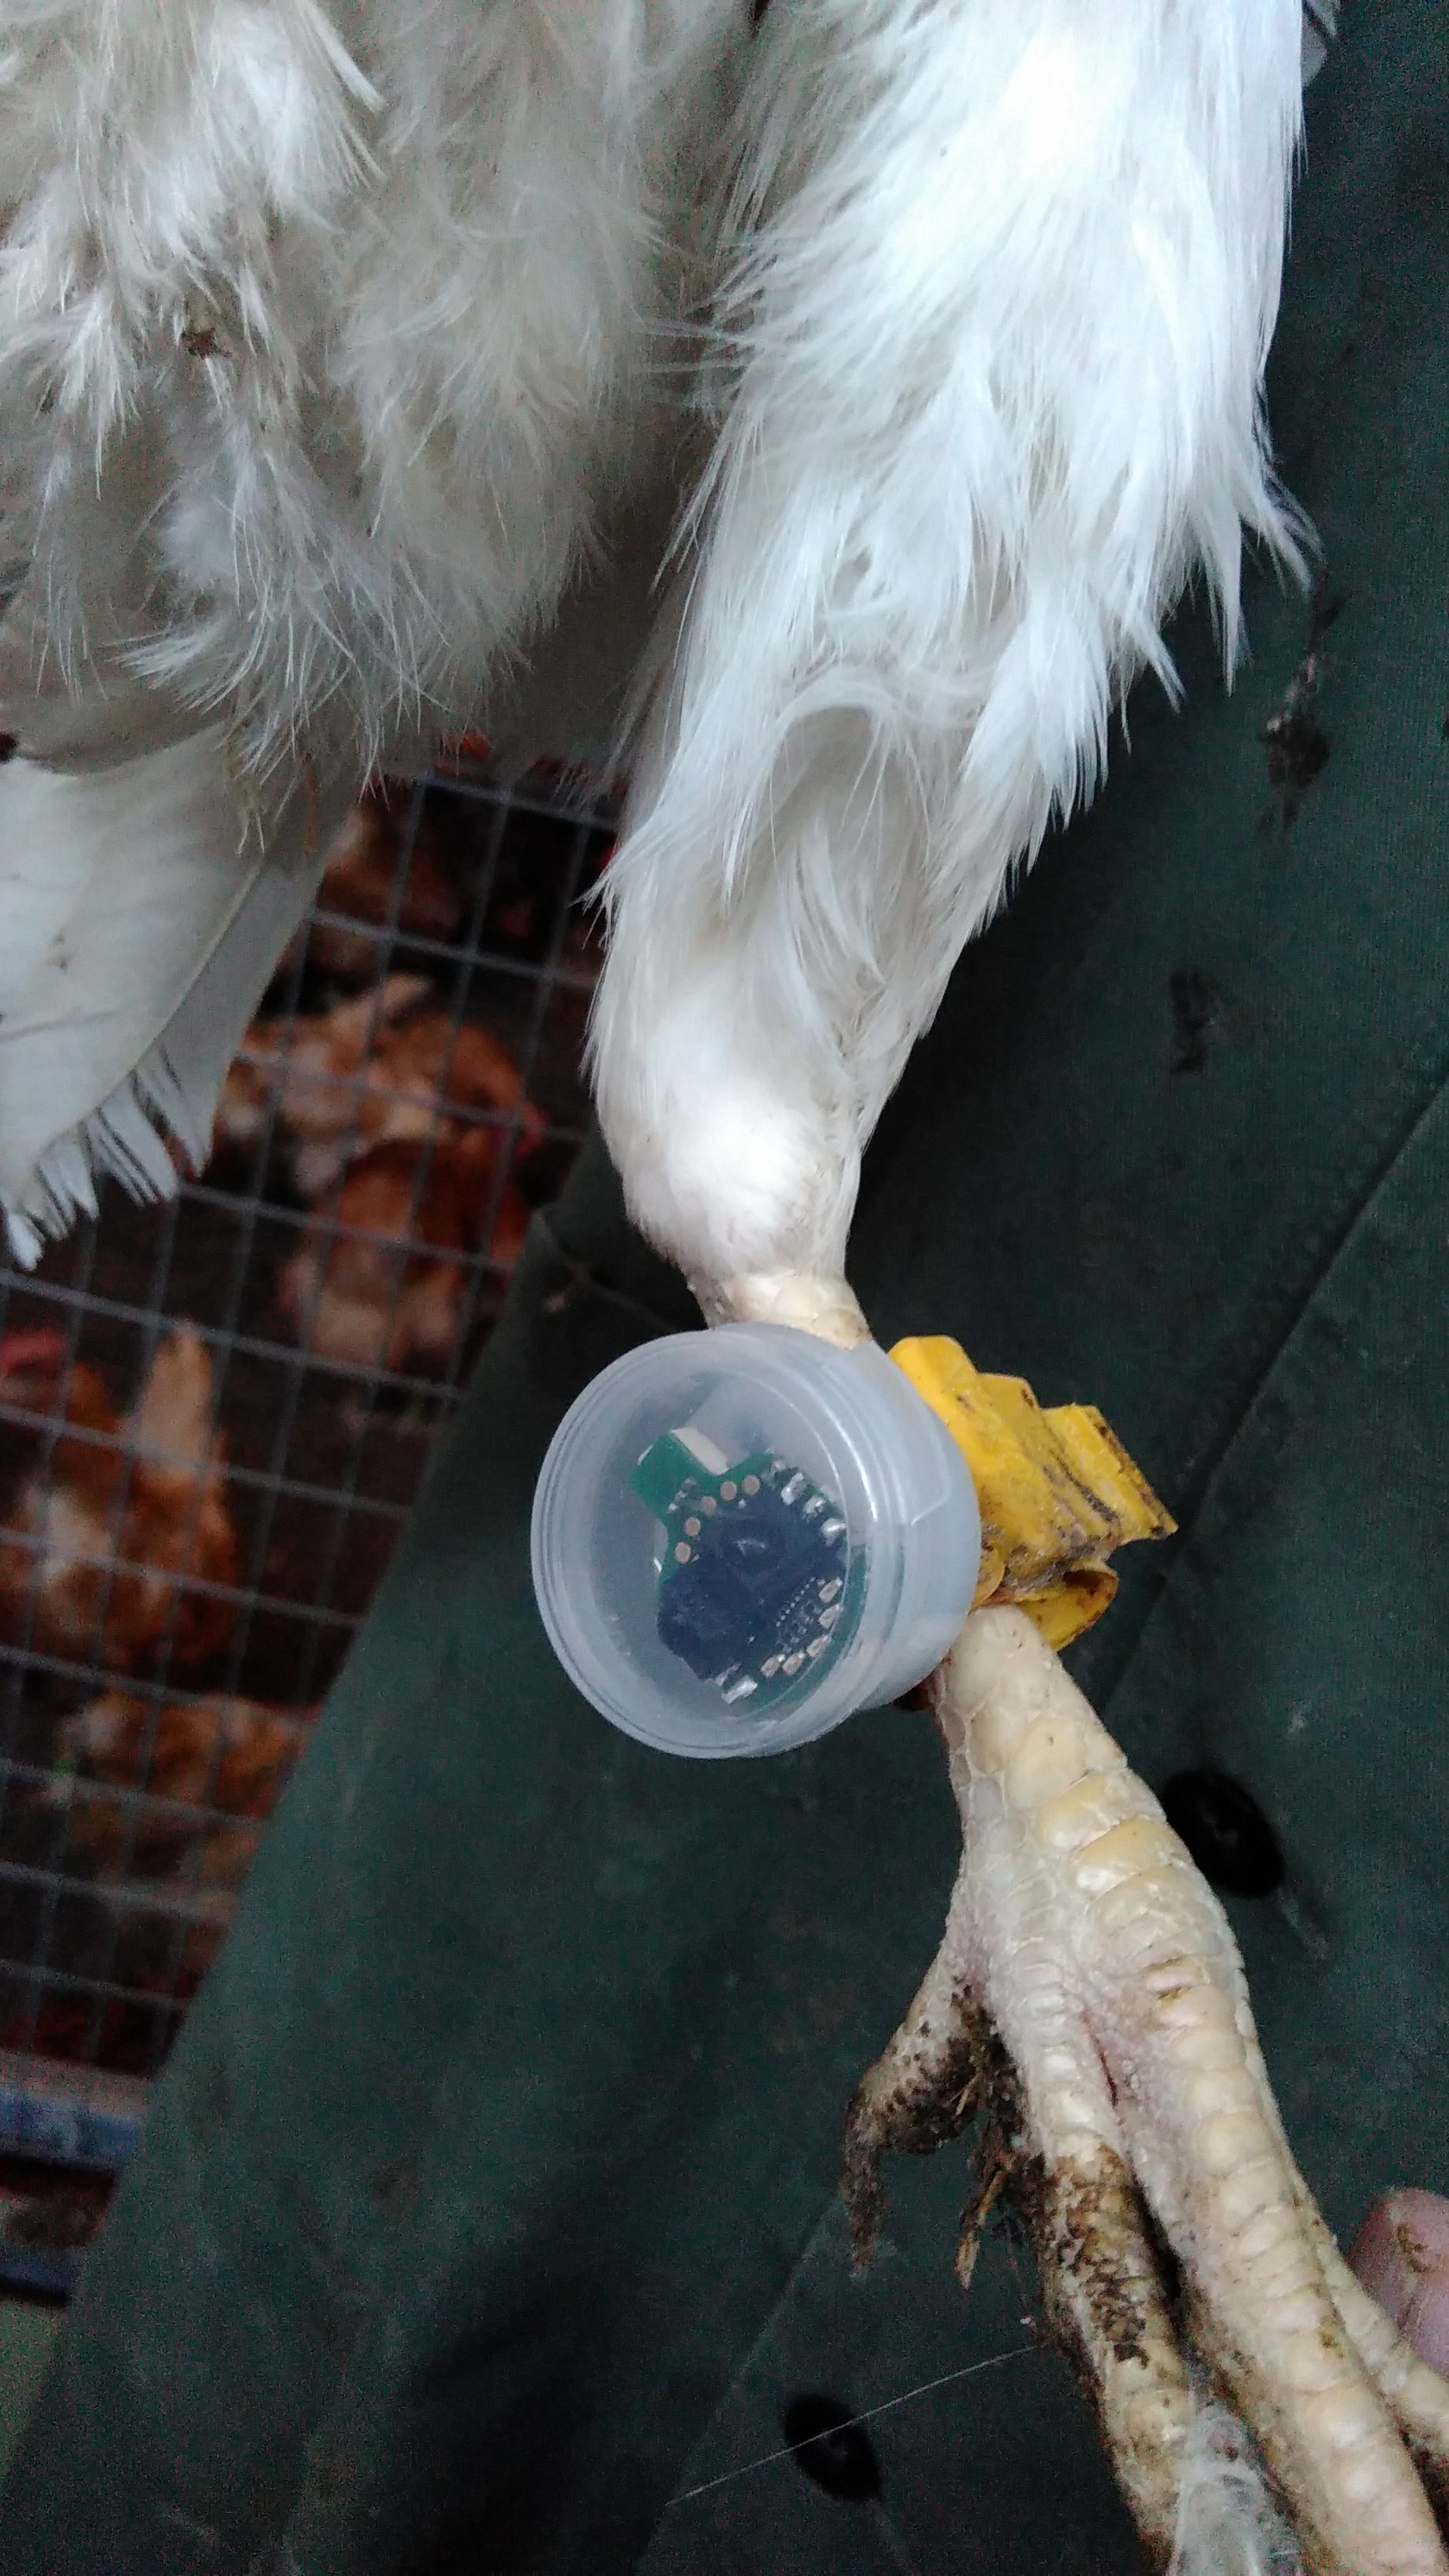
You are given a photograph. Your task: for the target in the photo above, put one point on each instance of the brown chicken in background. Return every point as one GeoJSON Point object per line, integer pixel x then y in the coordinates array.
{"type": "Point", "coordinates": [388, 1291]}
{"type": "Point", "coordinates": [230, 1757]}
{"type": "Point", "coordinates": [361, 883]}
{"type": "Point", "coordinates": [372, 1070]}
{"type": "Point", "coordinates": [108, 1530]}
{"type": "Point", "coordinates": [226, 1759]}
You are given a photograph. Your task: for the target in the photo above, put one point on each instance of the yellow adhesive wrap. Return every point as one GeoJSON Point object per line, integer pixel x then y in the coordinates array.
{"type": "Point", "coordinates": [1056, 1488]}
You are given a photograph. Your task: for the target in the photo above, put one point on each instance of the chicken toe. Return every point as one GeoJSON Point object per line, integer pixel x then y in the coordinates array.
{"type": "Point", "coordinates": [1089, 1983]}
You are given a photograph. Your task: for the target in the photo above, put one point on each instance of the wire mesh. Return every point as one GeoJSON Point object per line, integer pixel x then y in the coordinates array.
{"type": "Point", "coordinates": [214, 1414]}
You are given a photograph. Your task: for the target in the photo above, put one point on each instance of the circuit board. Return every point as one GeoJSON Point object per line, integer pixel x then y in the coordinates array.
{"type": "Point", "coordinates": [756, 1581]}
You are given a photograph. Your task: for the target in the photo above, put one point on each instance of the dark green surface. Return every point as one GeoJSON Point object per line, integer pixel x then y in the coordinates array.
{"type": "Point", "coordinates": [27, 2339]}
{"type": "Point", "coordinates": [488, 2198]}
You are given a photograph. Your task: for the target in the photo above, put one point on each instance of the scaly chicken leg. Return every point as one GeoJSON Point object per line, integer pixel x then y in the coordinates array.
{"type": "Point", "coordinates": [1088, 2006]}
{"type": "Point", "coordinates": [1088, 1996]}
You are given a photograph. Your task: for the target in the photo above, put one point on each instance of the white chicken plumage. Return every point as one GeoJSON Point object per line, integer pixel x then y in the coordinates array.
{"type": "Point", "coordinates": [326, 336]}
{"type": "Point", "coordinates": [1000, 284]}
{"type": "Point", "coordinates": [335, 338]}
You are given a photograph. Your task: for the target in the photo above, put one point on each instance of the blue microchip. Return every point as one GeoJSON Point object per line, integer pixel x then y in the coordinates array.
{"type": "Point", "coordinates": [753, 1564]}
{"type": "Point", "coordinates": [755, 1584]}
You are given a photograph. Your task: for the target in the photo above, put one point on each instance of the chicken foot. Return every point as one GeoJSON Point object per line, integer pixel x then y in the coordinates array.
{"type": "Point", "coordinates": [1088, 2000]}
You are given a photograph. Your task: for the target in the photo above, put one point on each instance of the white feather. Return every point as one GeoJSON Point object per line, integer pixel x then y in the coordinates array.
{"type": "Point", "coordinates": [1006, 281]}
{"type": "Point", "coordinates": [380, 284]}
{"type": "Point", "coordinates": [144, 906]}
{"type": "Point", "coordinates": [325, 330]}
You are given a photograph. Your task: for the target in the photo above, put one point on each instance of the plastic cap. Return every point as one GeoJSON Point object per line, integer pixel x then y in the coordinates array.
{"type": "Point", "coordinates": [742, 1536]}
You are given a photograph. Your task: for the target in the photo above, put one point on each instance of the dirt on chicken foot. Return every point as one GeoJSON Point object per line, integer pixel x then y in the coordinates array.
{"type": "Point", "coordinates": [905, 2110]}
{"type": "Point", "coordinates": [1104, 2295]}
{"type": "Point", "coordinates": [1179, 2347]}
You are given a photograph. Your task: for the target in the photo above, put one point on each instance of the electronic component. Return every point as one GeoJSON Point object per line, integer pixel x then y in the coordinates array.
{"type": "Point", "coordinates": [755, 1569]}
{"type": "Point", "coordinates": [741, 1535]}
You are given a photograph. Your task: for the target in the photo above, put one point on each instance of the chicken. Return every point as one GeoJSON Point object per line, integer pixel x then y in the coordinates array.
{"type": "Point", "coordinates": [371, 1071]}
{"type": "Point", "coordinates": [325, 332]}
{"type": "Point", "coordinates": [197, 1782]}
{"type": "Point", "coordinates": [119, 1548]}
{"type": "Point", "coordinates": [360, 883]}
{"type": "Point", "coordinates": [381, 1279]}
{"type": "Point", "coordinates": [221, 1758]}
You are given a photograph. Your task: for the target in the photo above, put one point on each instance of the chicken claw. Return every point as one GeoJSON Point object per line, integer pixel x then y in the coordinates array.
{"type": "Point", "coordinates": [1089, 2000]}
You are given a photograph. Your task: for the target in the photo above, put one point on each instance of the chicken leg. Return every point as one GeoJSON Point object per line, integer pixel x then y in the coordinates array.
{"type": "Point", "coordinates": [1088, 2011]}
{"type": "Point", "coordinates": [1088, 2003]}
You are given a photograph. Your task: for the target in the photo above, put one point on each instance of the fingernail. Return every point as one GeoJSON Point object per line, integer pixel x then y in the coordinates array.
{"type": "Point", "coordinates": [1401, 2255]}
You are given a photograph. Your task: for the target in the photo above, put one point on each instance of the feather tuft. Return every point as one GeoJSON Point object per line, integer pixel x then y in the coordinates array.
{"type": "Point", "coordinates": [1227, 2521]}
{"type": "Point", "coordinates": [145, 906]}
{"type": "Point", "coordinates": [381, 314]}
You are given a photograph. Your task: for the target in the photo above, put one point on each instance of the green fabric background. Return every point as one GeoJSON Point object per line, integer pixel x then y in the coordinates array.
{"type": "Point", "coordinates": [488, 2201]}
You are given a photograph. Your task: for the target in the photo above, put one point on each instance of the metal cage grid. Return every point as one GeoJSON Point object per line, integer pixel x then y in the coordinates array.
{"type": "Point", "coordinates": [172, 1611]}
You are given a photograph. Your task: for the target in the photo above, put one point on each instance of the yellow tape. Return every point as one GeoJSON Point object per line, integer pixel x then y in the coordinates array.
{"type": "Point", "coordinates": [1057, 1489]}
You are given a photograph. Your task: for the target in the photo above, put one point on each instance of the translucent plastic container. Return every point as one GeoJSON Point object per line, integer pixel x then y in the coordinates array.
{"type": "Point", "coordinates": [742, 1536]}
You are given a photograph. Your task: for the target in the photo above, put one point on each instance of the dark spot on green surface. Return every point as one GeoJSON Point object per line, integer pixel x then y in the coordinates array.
{"type": "Point", "coordinates": [395, 2184]}
{"type": "Point", "coordinates": [833, 2449]}
{"type": "Point", "coordinates": [1298, 750]}
{"type": "Point", "coordinates": [1194, 1010]}
{"type": "Point", "coordinates": [1296, 747]}
{"type": "Point", "coordinates": [1225, 1830]}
